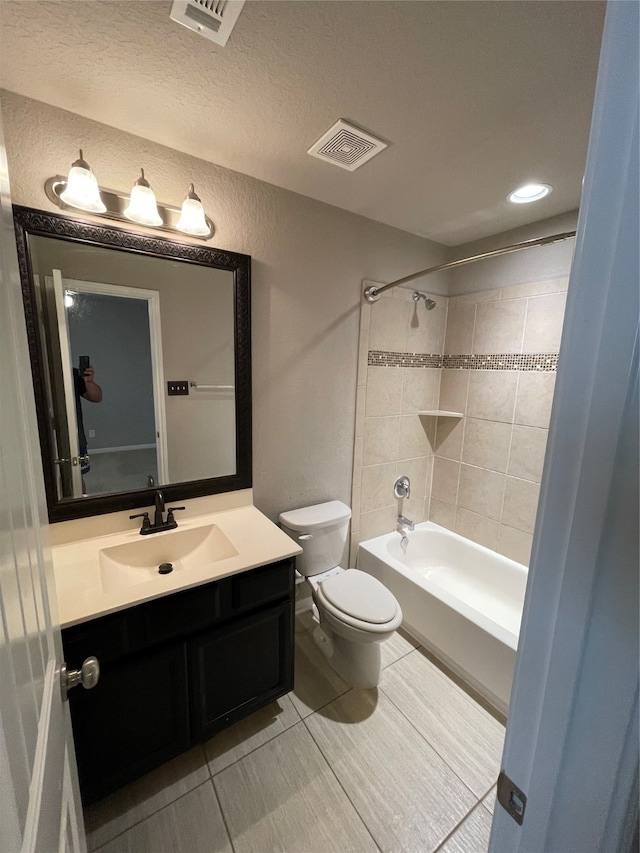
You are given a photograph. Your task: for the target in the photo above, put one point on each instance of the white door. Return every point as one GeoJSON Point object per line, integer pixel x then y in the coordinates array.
{"type": "Point", "coordinates": [572, 738]}
{"type": "Point", "coordinates": [39, 801]}
{"type": "Point", "coordinates": [64, 287]}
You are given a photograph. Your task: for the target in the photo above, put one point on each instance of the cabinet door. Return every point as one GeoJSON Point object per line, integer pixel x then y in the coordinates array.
{"type": "Point", "coordinates": [135, 718]}
{"type": "Point", "coordinates": [240, 668]}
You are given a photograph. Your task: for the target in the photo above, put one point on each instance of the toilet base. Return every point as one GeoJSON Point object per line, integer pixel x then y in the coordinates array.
{"type": "Point", "coordinates": [358, 664]}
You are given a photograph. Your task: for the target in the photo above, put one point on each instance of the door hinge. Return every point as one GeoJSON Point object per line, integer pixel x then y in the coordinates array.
{"type": "Point", "coordinates": [511, 798]}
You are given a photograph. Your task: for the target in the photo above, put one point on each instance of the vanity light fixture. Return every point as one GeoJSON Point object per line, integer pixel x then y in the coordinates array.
{"type": "Point", "coordinates": [82, 190]}
{"type": "Point", "coordinates": [143, 207]}
{"type": "Point", "coordinates": [530, 192]}
{"type": "Point", "coordinates": [192, 218]}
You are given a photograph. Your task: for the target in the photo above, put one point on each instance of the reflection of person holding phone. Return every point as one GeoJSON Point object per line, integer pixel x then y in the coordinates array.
{"type": "Point", "coordinates": [85, 386]}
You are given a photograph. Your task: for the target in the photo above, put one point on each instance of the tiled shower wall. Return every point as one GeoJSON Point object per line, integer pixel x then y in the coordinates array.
{"type": "Point", "coordinates": [401, 345]}
{"type": "Point", "coordinates": [477, 474]}
{"type": "Point", "coordinates": [488, 464]}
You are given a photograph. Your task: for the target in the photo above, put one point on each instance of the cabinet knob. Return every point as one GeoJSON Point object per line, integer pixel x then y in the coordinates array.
{"type": "Point", "coordinates": [88, 675]}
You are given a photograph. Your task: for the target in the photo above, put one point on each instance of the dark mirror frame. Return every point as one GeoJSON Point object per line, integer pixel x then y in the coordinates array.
{"type": "Point", "coordinates": [31, 222]}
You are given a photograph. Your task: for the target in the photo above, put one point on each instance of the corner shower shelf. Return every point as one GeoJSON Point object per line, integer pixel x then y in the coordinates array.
{"type": "Point", "coordinates": [441, 413]}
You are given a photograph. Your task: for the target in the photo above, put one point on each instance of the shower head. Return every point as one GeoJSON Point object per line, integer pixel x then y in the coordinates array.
{"type": "Point", "coordinates": [428, 303]}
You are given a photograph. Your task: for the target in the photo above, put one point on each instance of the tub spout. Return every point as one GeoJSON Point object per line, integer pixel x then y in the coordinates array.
{"type": "Point", "coordinates": [405, 524]}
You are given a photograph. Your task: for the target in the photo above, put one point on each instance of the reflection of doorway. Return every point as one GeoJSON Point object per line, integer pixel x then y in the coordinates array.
{"type": "Point", "coordinates": [119, 329]}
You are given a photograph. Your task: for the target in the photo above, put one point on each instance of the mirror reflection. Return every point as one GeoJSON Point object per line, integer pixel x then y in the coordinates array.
{"type": "Point", "coordinates": [139, 367]}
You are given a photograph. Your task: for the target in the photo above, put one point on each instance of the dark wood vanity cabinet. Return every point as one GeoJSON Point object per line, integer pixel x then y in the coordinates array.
{"type": "Point", "coordinates": [177, 670]}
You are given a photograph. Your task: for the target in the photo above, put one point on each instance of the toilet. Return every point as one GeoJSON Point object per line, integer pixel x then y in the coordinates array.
{"type": "Point", "coordinates": [356, 613]}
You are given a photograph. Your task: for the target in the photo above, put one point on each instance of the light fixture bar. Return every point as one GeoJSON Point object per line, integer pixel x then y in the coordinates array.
{"type": "Point", "coordinates": [117, 202]}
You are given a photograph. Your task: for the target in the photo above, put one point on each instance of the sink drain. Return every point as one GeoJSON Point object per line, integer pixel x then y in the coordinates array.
{"type": "Point", "coordinates": [165, 568]}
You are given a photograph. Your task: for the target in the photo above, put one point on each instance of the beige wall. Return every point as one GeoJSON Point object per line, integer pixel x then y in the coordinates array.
{"type": "Point", "coordinates": [309, 260]}
{"type": "Point", "coordinates": [540, 263]}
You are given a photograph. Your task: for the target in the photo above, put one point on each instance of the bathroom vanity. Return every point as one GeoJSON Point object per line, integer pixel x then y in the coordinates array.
{"type": "Point", "coordinates": [179, 662]}
{"type": "Point", "coordinates": [188, 648]}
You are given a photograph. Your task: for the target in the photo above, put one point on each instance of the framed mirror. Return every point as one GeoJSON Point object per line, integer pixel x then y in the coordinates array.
{"type": "Point", "coordinates": [140, 361]}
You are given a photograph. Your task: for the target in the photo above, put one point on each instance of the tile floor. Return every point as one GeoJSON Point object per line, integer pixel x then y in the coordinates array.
{"type": "Point", "coordinates": [407, 767]}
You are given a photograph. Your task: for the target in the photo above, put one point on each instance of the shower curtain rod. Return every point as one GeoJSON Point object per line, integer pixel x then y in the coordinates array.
{"type": "Point", "coordinates": [373, 293]}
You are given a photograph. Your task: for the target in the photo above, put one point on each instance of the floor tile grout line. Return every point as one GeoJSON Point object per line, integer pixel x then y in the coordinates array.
{"type": "Point", "coordinates": [431, 745]}
{"type": "Point", "coordinates": [150, 815]}
{"type": "Point", "coordinates": [466, 815]}
{"type": "Point", "coordinates": [450, 676]}
{"type": "Point", "coordinates": [309, 632]}
{"type": "Point", "coordinates": [222, 815]}
{"type": "Point", "coordinates": [456, 828]}
{"type": "Point", "coordinates": [324, 705]}
{"type": "Point", "coordinates": [320, 707]}
{"type": "Point", "coordinates": [211, 774]}
{"type": "Point", "coordinates": [484, 796]}
{"type": "Point", "coordinates": [255, 748]}
{"type": "Point", "coordinates": [396, 660]}
{"type": "Point", "coordinates": [462, 693]}
{"type": "Point", "coordinates": [155, 811]}
{"type": "Point", "coordinates": [342, 788]}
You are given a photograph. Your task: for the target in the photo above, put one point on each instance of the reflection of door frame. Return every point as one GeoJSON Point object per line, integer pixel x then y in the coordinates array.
{"type": "Point", "coordinates": [69, 387]}
{"type": "Point", "coordinates": [152, 297]}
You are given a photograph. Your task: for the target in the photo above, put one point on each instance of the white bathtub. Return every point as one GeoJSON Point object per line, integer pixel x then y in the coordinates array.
{"type": "Point", "coordinates": [461, 601]}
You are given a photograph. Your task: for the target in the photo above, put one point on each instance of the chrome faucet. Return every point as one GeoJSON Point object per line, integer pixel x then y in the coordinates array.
{"type": "Point", "coordinates": [159, 522]}
{"type": "Point", "coordinates": [406, 524]}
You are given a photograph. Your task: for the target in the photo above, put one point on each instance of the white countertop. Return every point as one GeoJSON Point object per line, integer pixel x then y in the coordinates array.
{"type": "Point", "coordinates": [80, 591]}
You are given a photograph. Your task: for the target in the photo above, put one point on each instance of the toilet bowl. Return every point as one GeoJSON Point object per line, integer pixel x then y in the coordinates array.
{"type": "Point", "coordinates": [355, 612]}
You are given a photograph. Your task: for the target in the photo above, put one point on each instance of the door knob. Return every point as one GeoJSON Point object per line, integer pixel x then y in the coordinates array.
{"type": "Point", "coordinates": [88, 675]}
{"type": "Point", "coordinates": [79, 460]}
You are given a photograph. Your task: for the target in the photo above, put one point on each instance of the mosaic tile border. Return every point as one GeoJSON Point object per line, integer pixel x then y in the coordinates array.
{"type": "Point", "coordinates": [547, 361]}
{"type": "Point", "coordinates": [539, 361]}
{"type": "Point", "coordinates": [379, 358]}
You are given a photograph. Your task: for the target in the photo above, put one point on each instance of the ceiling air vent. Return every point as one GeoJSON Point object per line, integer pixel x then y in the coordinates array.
{"type": "Point", "coordinates": [213, 19]}
{"type": "Point", "coordinates": [346, 146]}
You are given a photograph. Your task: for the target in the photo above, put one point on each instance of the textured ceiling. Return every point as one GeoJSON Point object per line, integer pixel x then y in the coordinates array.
{"type": "Point", "coordinates": [474, 98]}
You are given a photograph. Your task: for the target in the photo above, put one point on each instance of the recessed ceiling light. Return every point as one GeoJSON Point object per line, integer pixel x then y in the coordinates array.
{"type": "Point", "coordinates": [530, 192]}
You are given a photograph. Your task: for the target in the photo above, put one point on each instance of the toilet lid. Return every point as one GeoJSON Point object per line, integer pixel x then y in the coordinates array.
{"type": "Point", "coordinates": [361, 596]}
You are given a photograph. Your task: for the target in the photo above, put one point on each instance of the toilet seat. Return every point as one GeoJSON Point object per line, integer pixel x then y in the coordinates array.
{"type": "Point", "coordinates": [359, 600]}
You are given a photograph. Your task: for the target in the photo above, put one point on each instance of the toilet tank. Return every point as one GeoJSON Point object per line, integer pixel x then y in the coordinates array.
{"type": "Point", "coordinates": [321, 531]}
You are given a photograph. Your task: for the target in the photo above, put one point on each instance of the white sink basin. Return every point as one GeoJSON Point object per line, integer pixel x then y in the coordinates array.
{"type": "Point", "coordinates": [137, 562]}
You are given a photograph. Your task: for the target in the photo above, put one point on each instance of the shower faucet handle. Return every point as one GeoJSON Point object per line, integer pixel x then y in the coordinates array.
{"type": "Point", "coordinates": [402, 488]}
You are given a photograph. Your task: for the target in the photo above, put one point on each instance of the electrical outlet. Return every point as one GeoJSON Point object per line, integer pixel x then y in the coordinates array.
{"type": "Point", "coordinates": [92, 433]}
{"type": "Point", "coordinates": [177, 388]}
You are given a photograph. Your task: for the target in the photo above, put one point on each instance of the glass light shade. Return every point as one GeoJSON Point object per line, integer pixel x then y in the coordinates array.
{"type": "Point", "coordinates": [192, 219]}
{"type": "Point", "coordinates": [82, 190]}
{"type": "Point", "coordinates": [529, 193]}
{"type": "Point", "coordinates": [143, 207]}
